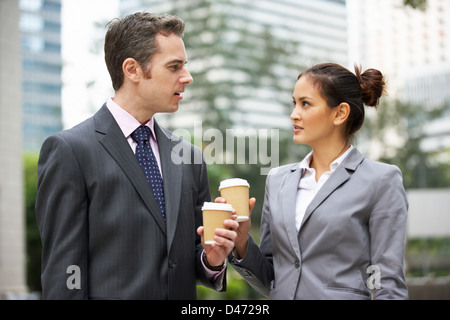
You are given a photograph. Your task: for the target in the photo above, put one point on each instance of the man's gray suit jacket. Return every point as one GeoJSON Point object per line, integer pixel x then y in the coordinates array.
{"type": "Point", "coordinates": [97, 216]}
{"type": "Point", "coordinates": [351, 238]}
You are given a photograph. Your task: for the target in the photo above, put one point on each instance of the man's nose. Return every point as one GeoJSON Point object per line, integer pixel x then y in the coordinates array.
{"type": "Point", "coordinates": [186, 78]}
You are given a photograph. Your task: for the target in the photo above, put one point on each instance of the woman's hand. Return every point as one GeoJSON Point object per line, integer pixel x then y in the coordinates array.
{"type": "Point", "coordinates": [243, 230]}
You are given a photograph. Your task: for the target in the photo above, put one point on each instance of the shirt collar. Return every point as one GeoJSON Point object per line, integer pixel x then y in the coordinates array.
{"type": "Point", "coordinates": [339, 160]}
{"type": "Point", "coordinates": [304, 164]}
{"type": "Point", "coordinates": [306, 161]}
{"type": "Point", "coordinates": [126, 121]}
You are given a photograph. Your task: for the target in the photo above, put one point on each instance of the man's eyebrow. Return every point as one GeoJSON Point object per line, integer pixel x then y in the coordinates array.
{"type": "Point", "coordinates": [179, 61]}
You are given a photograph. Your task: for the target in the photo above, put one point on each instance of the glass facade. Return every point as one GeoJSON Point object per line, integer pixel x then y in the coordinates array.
{"type": "Point", "coordinates": [411, 47]}
{"type": "Point", "coordinates": [40, 26]}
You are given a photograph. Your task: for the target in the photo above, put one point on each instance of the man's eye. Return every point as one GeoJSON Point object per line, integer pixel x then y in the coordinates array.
{"type": "Point", "coordinates": [174, 67]}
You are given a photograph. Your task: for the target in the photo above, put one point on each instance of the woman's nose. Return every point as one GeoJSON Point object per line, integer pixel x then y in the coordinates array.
{"type": "Point", "coordinates": [295, 114]}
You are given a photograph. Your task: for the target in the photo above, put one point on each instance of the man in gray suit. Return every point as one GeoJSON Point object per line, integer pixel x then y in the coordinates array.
{"type": "Point", "coordinates": [104, 233]}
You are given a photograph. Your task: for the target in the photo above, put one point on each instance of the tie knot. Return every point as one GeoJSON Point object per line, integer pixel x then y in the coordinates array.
{"type": "Point", "coordinates": [142, 133]}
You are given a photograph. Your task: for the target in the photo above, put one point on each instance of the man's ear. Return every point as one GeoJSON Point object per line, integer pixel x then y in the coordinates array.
{"type": "Point", "coordinates": [342, 113]}
{"type": "Point", "coordinates": [131, 69]}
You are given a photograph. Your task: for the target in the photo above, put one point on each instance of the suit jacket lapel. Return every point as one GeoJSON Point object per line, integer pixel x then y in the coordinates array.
{"type": "Point", "coordinates": [113, 140]}
{"type": "Point", "coordinates": [340, 176]}
{"type": "Point", "coordinates": [172, 175]}
{"type": "Point", "coordinates": [288, 194]}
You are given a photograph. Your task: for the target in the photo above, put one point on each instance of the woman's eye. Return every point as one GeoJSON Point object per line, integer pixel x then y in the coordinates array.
{"type": "Point", "coordinates": [294, 103]}
{"type": "Point", "coordinates": [305, 104]}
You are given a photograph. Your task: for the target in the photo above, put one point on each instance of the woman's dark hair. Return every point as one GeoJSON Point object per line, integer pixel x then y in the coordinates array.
{"type": "Point", "coordinates": [337, 84]}
{"type": "Point", "coordinates": [134, 37]}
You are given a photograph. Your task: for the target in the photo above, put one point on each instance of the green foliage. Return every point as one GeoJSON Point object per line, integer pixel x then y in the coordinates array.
{"type": "Point", "coordinates": [421, 169]}
{"type": "Point", "coordinates": [436, 246]}
{"type": "Point", "coordinates": [237, 289]}
{"type": "Point", "coordinates": [33, 239]}
{"type": "Point", "coordinates": [428, 257]}
{"type": "Point", "coordinates": [416, 4]}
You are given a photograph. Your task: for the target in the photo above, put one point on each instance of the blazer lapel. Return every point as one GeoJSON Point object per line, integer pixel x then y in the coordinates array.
{"type": "Point", "coordinates": [172, 176]}
{"type": "Point", "coordinates": [340, 176]}
{"type": "Point", "coordinates": [117, 146]}
{"type": "Point", "coordinates": [288, 192]}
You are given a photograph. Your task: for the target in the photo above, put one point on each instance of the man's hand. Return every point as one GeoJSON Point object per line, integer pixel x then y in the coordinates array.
{"type": "Point", "coordinates": [217, 254]}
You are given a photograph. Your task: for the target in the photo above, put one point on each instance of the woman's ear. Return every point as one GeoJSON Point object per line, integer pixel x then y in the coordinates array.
{"type": "Point", "coordinates": [131, 69]}
{"type": "Point", "coordinates": [342, 113]}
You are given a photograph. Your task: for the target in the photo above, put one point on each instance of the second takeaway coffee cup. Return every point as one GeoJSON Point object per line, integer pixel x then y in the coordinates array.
{"type": "Point", "coordinates": [214, 214]}
{"type": "Point", "coordinates": [236, 192]}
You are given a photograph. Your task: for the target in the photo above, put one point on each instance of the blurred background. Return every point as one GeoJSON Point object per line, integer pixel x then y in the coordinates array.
{"type": "Point", "coordinates": [244, 56]}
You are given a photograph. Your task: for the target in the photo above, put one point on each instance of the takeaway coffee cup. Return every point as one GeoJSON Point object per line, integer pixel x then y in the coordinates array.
{"type": "Point", "coordinates": [236, 192]}
{"type": "Point", "coordinates": [214, 214]}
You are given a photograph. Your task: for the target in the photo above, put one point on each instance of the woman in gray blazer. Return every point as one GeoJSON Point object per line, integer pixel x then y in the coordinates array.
{"type": "Point", "coordinates": [333, 225]}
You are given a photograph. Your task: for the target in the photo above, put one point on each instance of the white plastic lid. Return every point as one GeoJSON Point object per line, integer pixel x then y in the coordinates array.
{"type": "Point", "coordinates": [217, 206]}
{"type": "Point", "coordinates": [233, 182]}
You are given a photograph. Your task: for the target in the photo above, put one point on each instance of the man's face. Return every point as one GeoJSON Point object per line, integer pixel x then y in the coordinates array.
{"type": "Point", "coordinates": [162, 88]}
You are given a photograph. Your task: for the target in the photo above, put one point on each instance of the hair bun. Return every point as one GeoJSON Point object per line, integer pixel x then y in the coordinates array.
{"type": "Point", "coordinates": [372, 85]}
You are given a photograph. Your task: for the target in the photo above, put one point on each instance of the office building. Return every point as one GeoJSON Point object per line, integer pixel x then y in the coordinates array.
{"type": "Point", "coordinates": [412, 48]}
{"type": "Point", "coordinates": [397, 39]}
{"type": "Point", "coordinates": [40, 26]}
{"type": "Point", "coordinates": [12, 231]}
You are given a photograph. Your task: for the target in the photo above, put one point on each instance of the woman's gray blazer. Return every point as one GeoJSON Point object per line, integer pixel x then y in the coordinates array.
{"type": "Point", "coordinates": [351, 240]}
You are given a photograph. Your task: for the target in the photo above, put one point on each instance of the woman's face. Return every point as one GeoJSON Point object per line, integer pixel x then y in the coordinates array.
{"type": "Point", "coordinates": [312, 119]}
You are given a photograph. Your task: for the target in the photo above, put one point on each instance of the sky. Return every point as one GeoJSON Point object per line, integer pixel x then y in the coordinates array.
{"type": "Point", "coordinates": [81, 66]}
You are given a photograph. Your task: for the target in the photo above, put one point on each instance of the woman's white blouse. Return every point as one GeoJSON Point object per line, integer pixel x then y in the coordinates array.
{"type": "Point", "coordinates": [308, 186]}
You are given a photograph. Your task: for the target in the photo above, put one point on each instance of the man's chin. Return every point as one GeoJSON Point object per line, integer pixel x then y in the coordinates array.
{"type": "Point", "coordinates": [174, 109]}
{"type": "Point", "coordinates": [170, 110]}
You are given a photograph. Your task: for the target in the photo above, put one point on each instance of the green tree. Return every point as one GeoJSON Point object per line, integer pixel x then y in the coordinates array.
{"type": "Point", "coordinates": [416, 4]}
{"type": "Point", "coordinates": [33, 239]}
{"type": "Point", "coordinates": [406, 121]}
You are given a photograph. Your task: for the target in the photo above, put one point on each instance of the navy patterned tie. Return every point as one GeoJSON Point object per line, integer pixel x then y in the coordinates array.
{"type": "Point", "coordinates": [147, 160]}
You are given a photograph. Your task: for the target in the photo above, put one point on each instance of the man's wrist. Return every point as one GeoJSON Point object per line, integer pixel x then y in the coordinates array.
{"type": "Point", "coordinates": [212, 268]}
